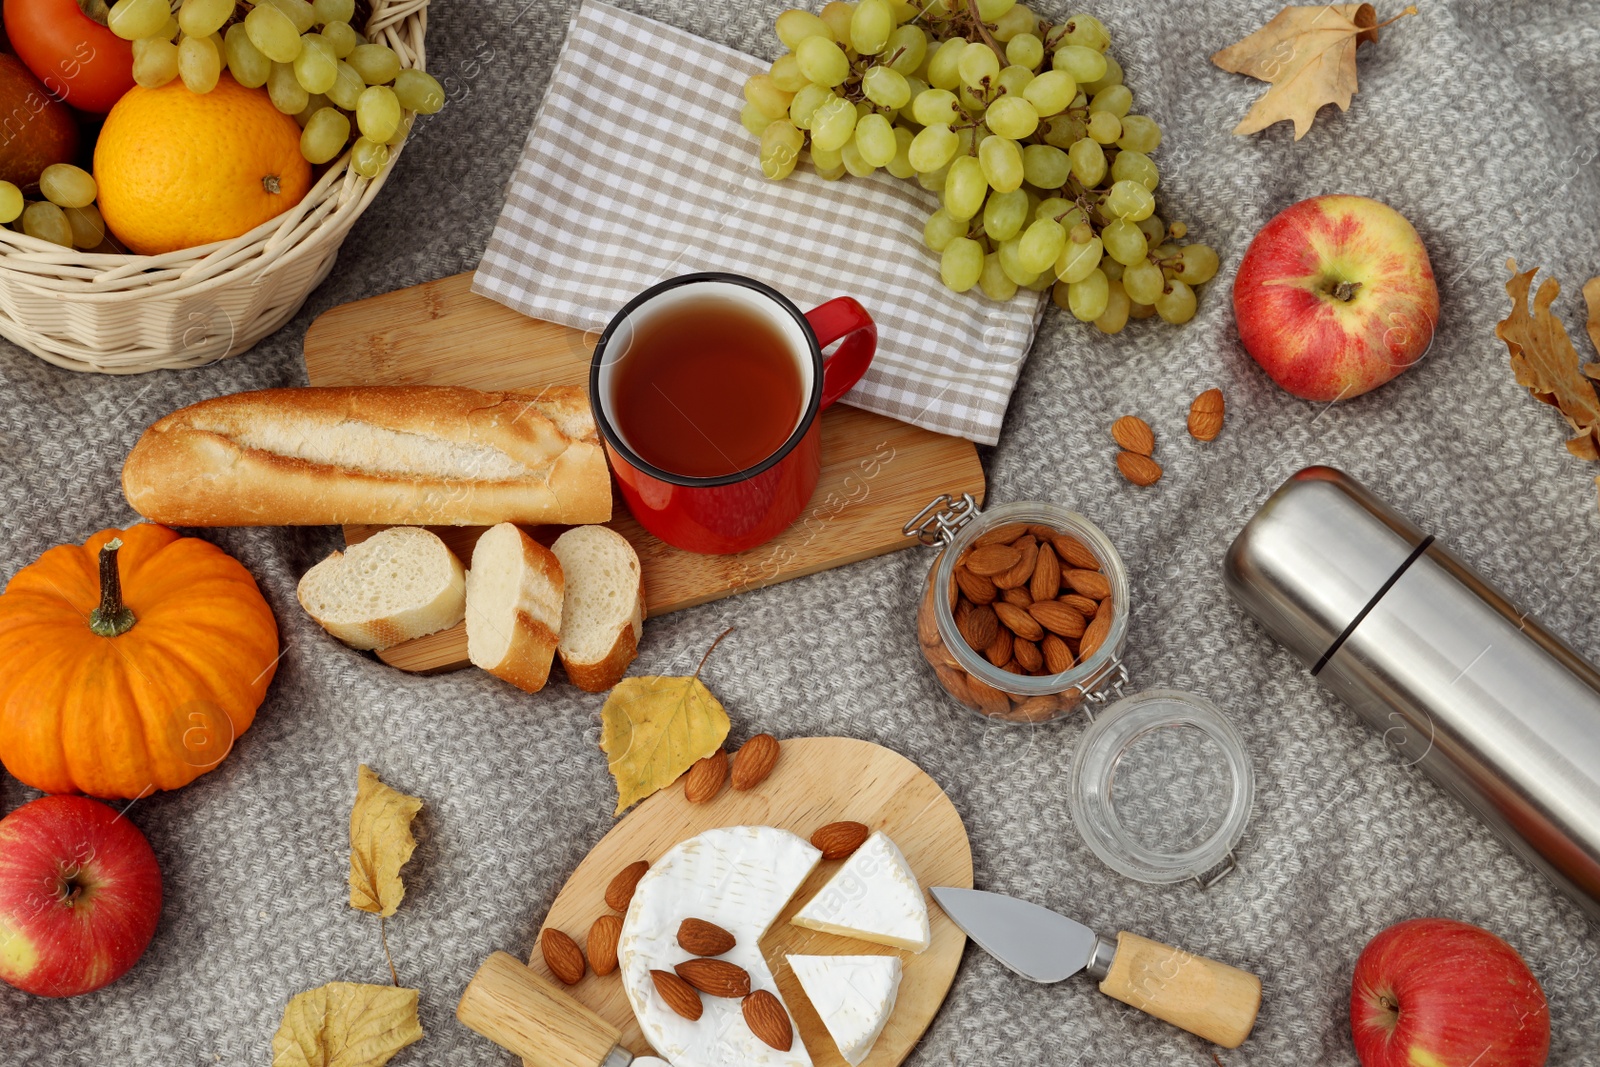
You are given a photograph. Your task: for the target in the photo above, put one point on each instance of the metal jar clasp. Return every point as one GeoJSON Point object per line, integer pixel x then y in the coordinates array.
{"type": "Point", "coordinates": [942, 519]}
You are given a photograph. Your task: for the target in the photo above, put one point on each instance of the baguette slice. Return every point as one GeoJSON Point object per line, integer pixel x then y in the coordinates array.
{"type": "Point", "coordinates": [514, 594]}
{"type": "Point", "coordinates": [397, 584]}
{"type": "Point", "coordinates": [602, 614]}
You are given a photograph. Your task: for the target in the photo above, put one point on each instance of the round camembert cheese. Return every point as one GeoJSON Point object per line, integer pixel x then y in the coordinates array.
{"type": "Point", "coordinates": [873, 897]}
{"type": "Point", "coordinates": [739, 878]}
{"type": "Point", "coordinates": [853, 995]}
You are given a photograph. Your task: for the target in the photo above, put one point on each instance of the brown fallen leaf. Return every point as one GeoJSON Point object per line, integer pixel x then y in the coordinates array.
{"type": "Point", "coordinates": [1309, 56]}
{"type": "Point", "coordinates": [1545, 362]}
{"type": "Point", "coordinates": [380, 843]}
{"type": "Point", "coordinates": [346, 1024]}
{"type": "Point", "coordinates": [1591, 296]}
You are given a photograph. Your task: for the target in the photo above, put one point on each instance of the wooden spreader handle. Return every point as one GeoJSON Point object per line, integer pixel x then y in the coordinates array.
{"type": "Point", "coordinates": [533, 1017]}
{"type": "Point", "coordinates": [1204, 997]}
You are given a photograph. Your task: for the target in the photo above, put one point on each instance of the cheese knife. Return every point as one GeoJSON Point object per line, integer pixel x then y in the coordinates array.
{"type": "Point", "coordinates": [1206, 998]}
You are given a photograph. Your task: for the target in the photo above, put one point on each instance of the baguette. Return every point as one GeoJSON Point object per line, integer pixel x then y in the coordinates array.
{"type": "Point", "coordinates": [391, 455]}
{"type": "Point", "coordinates": [602, 614]}
{"type": "Point", "coordinates": [514, 596]}
{"type": "Point", "coordinates": [398, 584]}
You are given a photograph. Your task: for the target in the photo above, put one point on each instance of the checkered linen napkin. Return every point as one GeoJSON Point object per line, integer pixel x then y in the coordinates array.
{"type": "Point", "coordinates": [638, 170]}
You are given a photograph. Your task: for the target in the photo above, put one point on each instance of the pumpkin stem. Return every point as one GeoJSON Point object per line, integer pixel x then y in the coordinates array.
{"type": "Point", "coordinates": [112, 618]}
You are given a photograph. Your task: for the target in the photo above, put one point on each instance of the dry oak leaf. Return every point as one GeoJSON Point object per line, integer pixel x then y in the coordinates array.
{"type": "Point", "coordinates": [1309, 56]}
{"type": "Point", "coordinates": [346, 1024]}
{"type": "Point", "coordinates": [652, 729]}
{"type": "Point", "coordinates": [1546, 363]}
{"type": "Point", "coordinates": [380, 843]}
{"type": "Point", "coordinates": [1591, 296]}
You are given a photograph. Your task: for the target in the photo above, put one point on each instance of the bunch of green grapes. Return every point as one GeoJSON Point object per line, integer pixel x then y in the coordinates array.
{"type": "Point", "coordinates": [67, 215]}
{"type": "Point", "coordinates": [1024, 127]}
{"type": "Point", "coordinates": [315, 66]}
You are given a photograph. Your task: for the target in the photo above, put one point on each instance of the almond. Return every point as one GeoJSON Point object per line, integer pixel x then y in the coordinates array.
{"type": "Point", "coordinates": [602, 943]}
{"type": "Point", "coordinates": [1085, 606]}
{"type": "Point", "coordinates": [927, 627]}
{"type": "Point", "coordinates": [717, 978]}
{"type": "Point", "coordinates": [1029, 658]}
{"type": "Point", "coordinates": [1057, 656]}
{"type": "Point", "coordinates": [1094, 636]}
{"type": "Point", "coordinates": [989, 699]}
{"type": "Point", "coordinates": [1206, 414]}
{"type": "Point", "coordinates": [954, 681]}
{"type": "Point", "coordinates": [963, 608]}
{"type": "Point", "coordinates": [620, 891]}
{"type": "Point", "coordinates": [1035, 709]}
{"type": "Point", "coordinates": [1091, 584]}
{"type": "Point", "coordinates": [562, 955]}
{"type": "Point", "coordinates": [839, 839]}
{"type": "Point", "coordinates": [1046, 581]}
{"type": "Point", "coordinates": [1013, 667]}
{"type": "Point", "coordinates": [1140, 470]}
{"type": "Point", "coordinates": [979, 626]}
{"type": "Point", "coordinates": [1043, 533]}
{"type": "Point", "coordinates": [978, 589]}
{"type": "Point", "coordinates": [704, 779]}
{"type": "Point", "coordinates": [1001, 535]}
{"type": "Point", "coordinates": [1058, 618]}
{"type": "Point", "coordinates": [1133, 434]}
{"type": "Point", "coordinates": [679, 995]}
{"type": "Point", "coordinates": [755, 761]}
{"type": "Point", "coordinates": [1022, 570]}
{"type": "Point", "coordinates": [1074, 552]}
{"type": "Point", "coordinates": [999, 651]}
{"type": "Point", "coordinates": [1018, 596]}
{"type": "Point", "coordinates": [1104, 608]}
{"type": "Point", "coordinates": [1019, 622]}
{"type": "Point", "coordinates": [991, 560]}
{"type": "Point", "coordinates": [764, 1015]}
{"type": "Point", "coordinates": [700, 938]}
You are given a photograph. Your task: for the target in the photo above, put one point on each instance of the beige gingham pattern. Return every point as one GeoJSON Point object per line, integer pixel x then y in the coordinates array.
{"type": "Point", "coordinates": [638, 170]}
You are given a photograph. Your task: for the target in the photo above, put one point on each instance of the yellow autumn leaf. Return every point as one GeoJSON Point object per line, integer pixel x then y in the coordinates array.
{"type": "Point", "coordinates": [1546, 363]}
{"type": "Point", "coordinates": [346, 1024]}
{"type": "Point", "coordinates": [380, 843]}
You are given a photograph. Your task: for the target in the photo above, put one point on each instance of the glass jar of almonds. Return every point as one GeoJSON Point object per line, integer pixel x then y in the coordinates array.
{"type": "Point", "coordinates": [1025, 611]}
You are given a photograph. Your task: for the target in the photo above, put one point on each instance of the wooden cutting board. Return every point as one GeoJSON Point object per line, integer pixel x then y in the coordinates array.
{"type": "Point", "coordinates": [817, 780]}
{"type": "Point", "coordinates": [877, 472]}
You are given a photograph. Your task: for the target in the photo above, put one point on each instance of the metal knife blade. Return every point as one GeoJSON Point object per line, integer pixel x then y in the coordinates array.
{"type": "Point", "coordinates": [1033, 941]}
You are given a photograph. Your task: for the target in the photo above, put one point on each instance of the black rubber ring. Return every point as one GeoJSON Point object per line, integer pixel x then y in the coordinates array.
{"type": "Point", "coordinates": [1422, 546]}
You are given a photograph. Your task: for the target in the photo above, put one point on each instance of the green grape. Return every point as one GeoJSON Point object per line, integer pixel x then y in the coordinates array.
{"type": "Point", "coordinates": [67, 186]}
{"type": "Point", "coordinates": [995, 283]}
{"type": "Point", "coordinates": [199, 64]}
{"type": "Point", "coordinates": [1088, 162]}
{"type": "Point", "coordinates": [795, 26]}
{"type": "Point", "coordinates": [47, 222]}
{"type": "Point", "coordinates": [1058, 295]}
{"type": "Point", "coordinates": [1154, 230]}
{"type": "Point", "coordinates": [1112, 76]}
{"type": "Point", "coordinates": [1104, 127]}
{"type": "Point", "coordinates": [1130, 200]}
{"type": "Point", "coordinates": [1082, 64]}
{"type": "Point", "coordinates": [155, 62]}
{"type": "Point", "coordinates": [1042, 243]}
{"type": "Point", "coordinates": [346, 91]}
{"type": "Point", "coordinates": [1050, 92]}
{"type": "Point", "coordinates": [419, 91]}
{"type": "Point", "coordinates": [11, 202]}
{"type": "Point", "coordinates": [944, 66]}
{"type": "Point", "coordinates": [1088, 299]}
{"type": "Point", "coordinates": [1140, 311]}
{"type": "Point", "coordinates": [831, 174]}
{"type": "Point", "coordinates": [978, 66]}
{"type": "Point", "coordinates": [1025, 50]}
{"type": "Point", "coordinates": [1004, 214]}
{"type": "Point", "coordinates": [1116, 99]}
{"type": "Point", "coordinates": [933, 180]}
{"type": "Point", "coordinates": [245, 61]}
{"type": "Point", "coordinates": [378, 113]}
{"type": "Point", "coordinates": [1001, 160]}
{"type": "Point", "coordinates": [870, 27]}
{"type": "Point", "coordinates": [942, 228]}
{"type": "Point", "coordinates": [1013, 117]}
{"type": "Point", "coordinates": [786, 75]}
{"type": "Point", "coordinates": [88, 227]}
{"type": "Point", "coordinates": [1010, 263]}
{"type": "Point", "coordinates": [965, 188]}
{"type": "Point", "coordinates": [376, 63]}
{"type": "Point", "coordinates": [331, 11]}
{"type": "Point", "coordinates": [837, 15]}
{"type": "Point", "coordinates": [1013, 80]}
{"type": "Point", "coordinates": [1088, 32]}
{"type": "Point", "coordinates": [781, 143]}
{"type": "Point", "coordinates": [316, 102]}
{"type": "Point", "coordinates": [325, 135]}
{"type": "Point", "coordinates": [875, 140]}
{"type": "Point", "coordinates": [833, 123]}
{"type": "Point", "coordinates": [973, 102]}
{"type": "Point", "coordinates": [966, 139]}
{"type": "Point", "coordinates": [822, 61]}
{"type": "Point", "coordinates": [900, 166]}
{"type": "Point", "coordinates": [273, 33]}
{"type": "Point", "coordinates": [133, 19]}
{"type": "Point", "coordinates": [202, 18]}
{"type": "Point", "coordinates": [1045, 167]}
{"type": "Point", "coordinates": [1140, 133]}
{"type": "Point", "coordinates": [1019, 20]}
{"type": "Point", "coordinates": [288, 95]}
{"type": "Point", "coordinates": [1135, 167]}
{"type": "Point", "coordinates": [1144, 281]}
{"type": "Point", "coordinates": [368, 158]}
{"type": "Point", "coordinates": [170, 31]}
{"type": "Point", "coordinates": [804, 106]}
{"type": "Point", "coordinates": [316, 67]}
{"type": "Point", "coordinates": [827, 159]}
{"type": "Point", "coordinates": [1055, 207]}
{"type": "Point", "coordinates": [1198, 264]}
{"type": "Point", "coordinates": [1124, 242]}
{"type": "Point", "coordinates": [764, 93]}
{"type": "Point", "coordinates": [1111, 268]}
{"type": "Point", "coordinates": [1077, 260]}
{"type": "Point", "coordinates": [299, 12]}
{"type": "Point", "coordinates": [907, 48]}
{"type": "Point", "coordinates": [886, 87]}
{"type": "Point", "coordinates": [989, 10]}
{"type": "Point", "coordinates": [1115, 316]}
{"type": "Point", "coordinates": [1176, 304]}
{"type": "Point", "coordinates": [961, 264]}
{"type": "Point", "coordinates": [854, 162]}
{"type": "Point", "coordinates": [932, 148]}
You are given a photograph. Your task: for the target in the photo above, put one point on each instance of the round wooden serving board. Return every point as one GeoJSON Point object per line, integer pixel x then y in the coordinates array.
{"type": "Point", "coordinates": [817, 780]}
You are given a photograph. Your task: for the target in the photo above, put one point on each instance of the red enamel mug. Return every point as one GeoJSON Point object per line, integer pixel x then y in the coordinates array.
{"type": "Point", "coordinates": [738, 511]}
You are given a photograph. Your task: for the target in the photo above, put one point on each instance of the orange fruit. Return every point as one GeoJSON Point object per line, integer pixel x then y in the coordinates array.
{"type": "Point", "coordinates": [178, 169]}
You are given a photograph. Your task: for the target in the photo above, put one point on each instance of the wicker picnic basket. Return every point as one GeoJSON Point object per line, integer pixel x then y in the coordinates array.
{"type": "Point", "coordinates": [124, 314]}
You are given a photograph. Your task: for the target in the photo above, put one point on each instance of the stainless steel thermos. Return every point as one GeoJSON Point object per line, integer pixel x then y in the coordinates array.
{"type": "Point", "coordinates": [1494, 708]}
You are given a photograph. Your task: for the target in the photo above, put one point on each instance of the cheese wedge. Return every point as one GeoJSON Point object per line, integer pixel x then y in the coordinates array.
{"type": "Point", "coordinates": [873, 897]}
{"type": "Point", "coordinates": [853, 995]}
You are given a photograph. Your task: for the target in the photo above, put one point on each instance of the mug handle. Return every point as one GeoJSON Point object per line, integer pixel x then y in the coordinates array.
{"type": "Point", "coordinates": [843, 317]}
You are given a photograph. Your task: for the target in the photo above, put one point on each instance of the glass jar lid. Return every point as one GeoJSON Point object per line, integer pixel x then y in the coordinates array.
{"type": "Point", "coordinates": [1161, 788]}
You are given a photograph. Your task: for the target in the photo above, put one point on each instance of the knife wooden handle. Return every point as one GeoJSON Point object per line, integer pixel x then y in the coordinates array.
{"type": "Point", "coordinates": [1204, 997]}
{"type": "Point", "coordinates": [533, 1017]}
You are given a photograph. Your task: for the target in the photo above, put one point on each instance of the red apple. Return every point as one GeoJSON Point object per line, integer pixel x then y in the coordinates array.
{"type": "Point", "coordinates": [1335, 296]}
{"type": "Point", "coordinates": [1442, 993]}
{"type": "Point", "coordinates": [80, 893]}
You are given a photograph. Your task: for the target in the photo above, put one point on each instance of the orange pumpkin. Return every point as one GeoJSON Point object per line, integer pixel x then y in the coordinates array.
{"type": "Point", "coordinates": [130, 663]}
